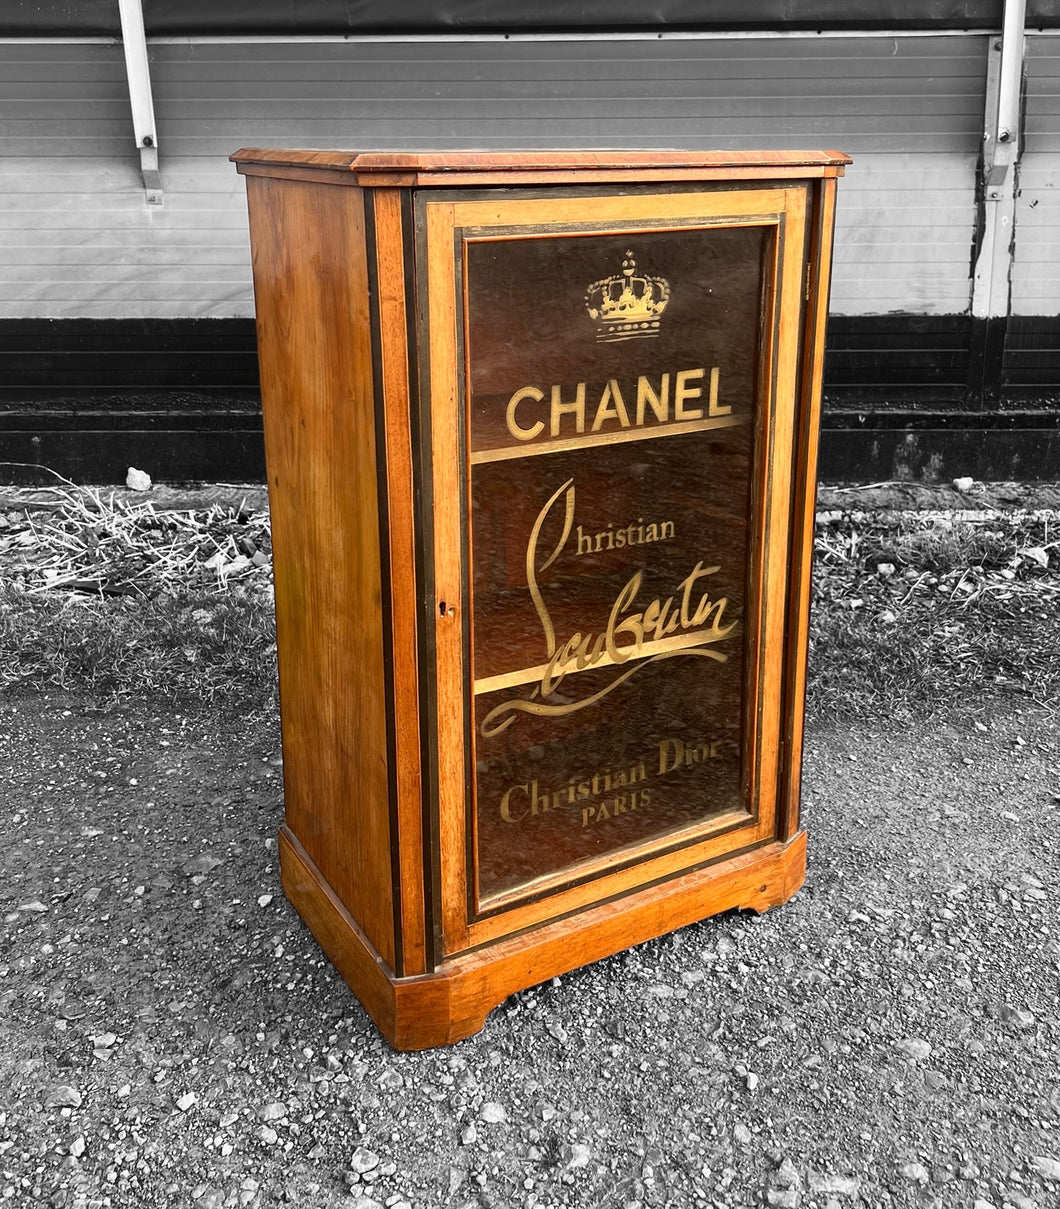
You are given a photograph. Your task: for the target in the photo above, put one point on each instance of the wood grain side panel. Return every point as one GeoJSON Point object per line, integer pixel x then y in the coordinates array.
{"type": "Point", "coordinates": [805, 494]}
{"type": "Point", "coordinates": [310, 274]}
{"type": "Point", "coordinates": [403, 535]}
{"type": "Point", "coordinates": [775, 509]}
{"type": "Point", "coordinates": [336, 931]}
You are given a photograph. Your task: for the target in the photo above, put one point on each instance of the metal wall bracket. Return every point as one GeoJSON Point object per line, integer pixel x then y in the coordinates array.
{"type": "Point", "coordinates": [991, 282]}
{"type": "Point", "coordinates": [134, 41]}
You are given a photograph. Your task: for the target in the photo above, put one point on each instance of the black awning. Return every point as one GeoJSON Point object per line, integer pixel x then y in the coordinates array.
{"type": "Point", "coordinates": [71, 18]}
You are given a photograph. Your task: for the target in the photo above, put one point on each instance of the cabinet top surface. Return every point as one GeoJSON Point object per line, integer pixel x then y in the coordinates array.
{"type": "Point", "coordinates": [415, 167]}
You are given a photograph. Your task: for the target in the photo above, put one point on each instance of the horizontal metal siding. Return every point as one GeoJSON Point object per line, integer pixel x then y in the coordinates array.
{"type": "Point", "coordinates": [78, 238]}
{"type": "Point", "coordinates": [1036, 269]}
{"type": "Point", "coordinates": [908, 108]}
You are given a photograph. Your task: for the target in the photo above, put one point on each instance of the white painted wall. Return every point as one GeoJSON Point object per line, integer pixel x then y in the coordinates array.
{"type": "Point", "coordinates": [1036, 266]}
{"type": "Point", "coordinates": [80, 241]}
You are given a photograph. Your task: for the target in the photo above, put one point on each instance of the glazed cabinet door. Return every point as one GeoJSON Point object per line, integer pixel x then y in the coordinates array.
{"type": "Point", "coordinates": [609, 384]}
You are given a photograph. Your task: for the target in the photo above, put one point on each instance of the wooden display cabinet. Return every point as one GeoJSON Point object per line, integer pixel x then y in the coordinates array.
{"type": "Point", "coordinates": [541, 432]}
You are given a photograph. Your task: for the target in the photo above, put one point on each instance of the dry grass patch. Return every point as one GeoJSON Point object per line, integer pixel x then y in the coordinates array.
{"type": "Point", "coordinates": [105, 591]}
{"type": "Point", "coordinates": [912, 610]}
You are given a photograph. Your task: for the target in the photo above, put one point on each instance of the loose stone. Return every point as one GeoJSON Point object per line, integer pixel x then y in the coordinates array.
{"type": "Point", "coordinates": [1045, 1166]}
{"type": "Point", "coordinates": [63, 1096]}
{"type": "Point", "coordinates": [914, 1047]}
{"type": "Point", "coordinates": [1019, 1201]}
{"type": "Point", "coordinates": [787, 1198]}
{"type": "Point", "coordinates": [579, 1155]}
{"type": "Point", "coordinates": [1019, 1017]}
{"type": "Point", "coordinates": [363, 1160]}
{"type": "Point", "coordinates": [786, 1175]}
{"type": "Point", "coordinates": [840, 1185]}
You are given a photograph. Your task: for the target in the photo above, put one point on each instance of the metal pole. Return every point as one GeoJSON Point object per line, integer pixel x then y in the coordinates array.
{"type": "Point", "coordinates": [1008, 101]}
{"type": "Point", "coordinates": [991, 281]}
{"type": "Point", "coordinates": [134, 42]}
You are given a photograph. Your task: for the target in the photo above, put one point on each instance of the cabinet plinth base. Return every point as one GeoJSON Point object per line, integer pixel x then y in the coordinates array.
{"type": "Point", "coordinates": [454, 1000]}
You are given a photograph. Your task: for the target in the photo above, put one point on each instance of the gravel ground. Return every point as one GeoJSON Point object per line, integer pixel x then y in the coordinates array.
{"type": "Point", "coordinates": [172, 1036]}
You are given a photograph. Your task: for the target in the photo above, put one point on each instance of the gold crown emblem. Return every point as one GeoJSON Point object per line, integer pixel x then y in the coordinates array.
{"type": "Point", "coordinates": [627, 306]}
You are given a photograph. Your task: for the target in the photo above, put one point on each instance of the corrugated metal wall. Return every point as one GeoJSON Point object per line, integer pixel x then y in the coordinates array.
{"type": "Point", "coordinates": [83, 243]}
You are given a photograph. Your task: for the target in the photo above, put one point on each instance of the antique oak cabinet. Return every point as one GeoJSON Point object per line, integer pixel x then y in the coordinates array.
{"type": "Point", "coordinates": [541, 434]}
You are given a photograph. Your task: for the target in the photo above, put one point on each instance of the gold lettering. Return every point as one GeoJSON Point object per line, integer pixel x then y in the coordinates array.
{"type": "Point", "coordinates": [612, 415]}
{"type": "Point", "coordinates": [631, 624]}
{"type": "Point", "coordinates": [698, 572]}
{"type": "Point", "coordinates": [600, 787]}
{"type": "Point", "coordinates": [506, 801]}
{"type": "Point", "coordinates": [576, 409]}
{"type": "Point", "coordinates": [558, 665]}
{"type": "Point", "coordinates": [683, 391]}
{"type": "Point", "coordinates": [713, 407]}
{"type": "Point", "coordinates": [617, 539]}
{"type": "Point", "coordinates": [538, 801]}
{"type": "Point", "coordinates": [658, 402]}
{"type": "Point", "coordinates": [676, 753]}
{"type": "Point", "coordinates": [531, 558]}
{"type": "Point", "coordinates": [642, 637]}
{"type": "Point", "coordinates": [667, 761]}
{"type": "Point", "coordinates": [611, 407]}
{"type": "Point", "coordinates": [589, 658]}
{"type": "Point", "coordinates": [514, 427]}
